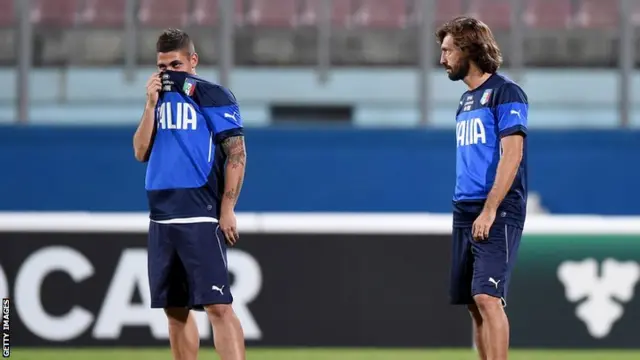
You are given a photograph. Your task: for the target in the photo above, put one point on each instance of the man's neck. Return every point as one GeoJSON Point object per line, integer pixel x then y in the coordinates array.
{"type": "Point", "coordinates": [475, 79]}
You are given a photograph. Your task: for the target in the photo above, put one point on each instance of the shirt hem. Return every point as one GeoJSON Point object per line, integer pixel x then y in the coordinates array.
{"type": "Point", "coordinates": [188, 220]}
{"type": "Point", "coordinates": [163, 217]}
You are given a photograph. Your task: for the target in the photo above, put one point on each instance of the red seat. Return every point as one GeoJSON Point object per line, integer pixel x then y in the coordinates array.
{"type": "Point", "coordinates": [105, 13]}
{"type": "Point", "coordinates": [447, 10]}
{"type": "Point", "coordinates": [341, 12]}
{"type": "Point", "coordinates": [55, 12]}
{"type": "Point", "coordinates": [635, 13]}
{"type": "Point", "coordinates": [7, 17]}
{"type": "Point", "coordinates": [207, 12]}
{"type": "Point", "coordinates": [495, 13]}
{"type": "Point", "coordinates": [273, 13]}
{"type": "Point", "coordinates": [548, 14]}
{"type": "Point", "coordinates": [382, 13]}
{"type": "Point", "coordinates": [164, 13]}
{"type": "Point", "coordinates": [598, 13]}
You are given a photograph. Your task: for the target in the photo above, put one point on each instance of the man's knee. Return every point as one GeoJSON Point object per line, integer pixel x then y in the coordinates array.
{"type": "Point", "coordinates": [476, 316]}
{"type": "Point", "coordinates": [219, 311]}
{"type": "Point", "coordinates": [487, 303]}
{"type": "Point", "coordinates": [177, 316]}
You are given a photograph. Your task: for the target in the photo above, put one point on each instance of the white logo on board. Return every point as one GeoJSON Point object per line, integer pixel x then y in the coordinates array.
{"type": "Point", "coordinates": [600, 298]}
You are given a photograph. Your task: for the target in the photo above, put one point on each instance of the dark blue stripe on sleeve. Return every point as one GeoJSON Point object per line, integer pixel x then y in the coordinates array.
{"type": "Point", "coordinates": [518, 129]}
{"type": "Point", "coordinates": [222, 136]}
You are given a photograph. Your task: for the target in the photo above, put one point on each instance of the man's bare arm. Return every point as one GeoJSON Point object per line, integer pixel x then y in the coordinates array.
{"type": "Point", "coordinates": [234, 173]}
{"type": "Point", "coordinates": [144, 134]}
{"type": "Point", "coordinates": [512, 148]}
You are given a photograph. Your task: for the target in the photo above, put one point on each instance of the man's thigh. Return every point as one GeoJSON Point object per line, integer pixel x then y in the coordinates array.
{"type": "Point", "coordinates": [494, 259]}
{"type": "Point", "coordinates": [167, 277]}
{"type": "Point", "coordinates": [202, 249]}
{"type": "Point", "coordinates": [461, 267]}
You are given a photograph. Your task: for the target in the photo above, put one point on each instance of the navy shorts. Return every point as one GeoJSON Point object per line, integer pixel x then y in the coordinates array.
{"type": "Point", "coordinates": [187, 265]}
{"type": "Point", "coordinates": [483, 267]}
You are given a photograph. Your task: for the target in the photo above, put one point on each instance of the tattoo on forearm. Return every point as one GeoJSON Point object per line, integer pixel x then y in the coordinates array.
{"type": "Point", "coordinates": [231, 194]}
{"type": "Point", "coordinates": [235, 150]}
{"type": "Point", "coordinates": [235, 191]}
{"type": "Point", "coordinates": [236, 158]}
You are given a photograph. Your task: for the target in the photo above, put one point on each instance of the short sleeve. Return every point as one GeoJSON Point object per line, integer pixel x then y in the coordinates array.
{"type": "Point", "coordinates": [222, 112]}
{"type": "Point", "coordinates": [512, 110]}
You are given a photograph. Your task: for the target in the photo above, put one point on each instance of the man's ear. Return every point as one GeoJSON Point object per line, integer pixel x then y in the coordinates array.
{"type": "Point", "coordinates": [195, 60]}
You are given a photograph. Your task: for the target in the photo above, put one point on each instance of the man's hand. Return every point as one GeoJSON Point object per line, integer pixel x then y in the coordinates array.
{"type": "Point", "coordinates": [153, 89]}
{"type": "Point", "coordinates": [229, 227]}
{"type": "Point", "coordinates": [482, 225]}
{"type": "Point", "coordinates": [143, 138]}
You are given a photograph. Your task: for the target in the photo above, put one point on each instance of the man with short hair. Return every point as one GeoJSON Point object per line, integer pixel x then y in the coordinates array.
{"type": "Point", "coordinates": [191, 134]}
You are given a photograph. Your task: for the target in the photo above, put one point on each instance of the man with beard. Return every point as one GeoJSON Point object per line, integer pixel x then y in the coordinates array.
{"type": "Point", "coordinates": [490, 194]}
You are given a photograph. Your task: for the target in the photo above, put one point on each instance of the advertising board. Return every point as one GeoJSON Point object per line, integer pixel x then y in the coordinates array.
{"type": "Point", "coordinates": [80, 279]}
{"type": "Point", "coordinates": [86, 288]}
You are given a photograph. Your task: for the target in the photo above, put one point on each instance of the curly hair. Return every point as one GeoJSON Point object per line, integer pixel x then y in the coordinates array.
{"type": "Point", "coordinates": [476, 41]}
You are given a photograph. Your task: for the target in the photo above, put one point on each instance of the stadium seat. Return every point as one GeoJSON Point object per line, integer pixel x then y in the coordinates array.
{"type": "Point", "coordinates": [273, 13]}
{"type": "Point", "coordinates": [7, 17]}
{"type": "Point", "coordinates": [548, 14]}
{"type": "Point", "coordinates": [495, 13]}
{"type": "Point", "coordinates": [104, 13]}
{"type": "Point", "coordinates": [598, 14]}
{"type": "Point", "coordinates": [382, 13]}
{"type": "Point", "coordinates": [635, 14]}
{"type": "Point", "coordinates": [447, 10]}
{"type": "Point", "coordinates": [341, 12]}
{"type": "Point", "coordinates": [164, 13]}
{"type": "Point", "coordinates": [206, 12]}
{"type": "Point", "coordinates": [58, 13]}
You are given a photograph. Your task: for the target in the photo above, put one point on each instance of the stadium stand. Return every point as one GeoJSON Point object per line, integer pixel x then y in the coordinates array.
{"type": "Point", "coordinates": [382, 14]}
{"type": "Point", "coordinates": [273, 13]}
{"type": "Point", "coordinates": [447, 9]}
{"type": "Point", "coordinates": [104, 13]}
{"type": "Point", "coordinates": [58, 13]}
{"type": "Point", "coordinates": [549, 14]}
{"type": "Point", "coordinates": [365, 32]}
{"type": "Point", "coordinates": [284, 13]}
{"type": "Point", "coordinates": [340, 13]}
{"type": "Point", "coordinates": [494, 12]}
{"type": "Point", "coordinates": [7, 18]}
{"type": "Point", "coordinates": [169, 13]}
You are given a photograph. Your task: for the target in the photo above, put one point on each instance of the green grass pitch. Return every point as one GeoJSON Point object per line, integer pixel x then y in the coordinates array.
{"type": "Point", "coordinates": [317, 354]}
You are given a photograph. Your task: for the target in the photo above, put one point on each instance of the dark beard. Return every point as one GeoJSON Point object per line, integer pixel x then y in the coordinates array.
{"type": "Point", "coordinates": [461, 72]}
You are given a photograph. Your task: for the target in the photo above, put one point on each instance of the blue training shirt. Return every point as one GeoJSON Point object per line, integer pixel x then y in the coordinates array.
{"type": "Point", "coordinates": [185, 173]}
{"type": "Point", "coordinates": [496, 109]}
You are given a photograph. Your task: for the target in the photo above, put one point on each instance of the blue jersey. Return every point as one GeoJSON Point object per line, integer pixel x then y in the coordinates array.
{"type": "Point", "coordinates": [185, 173]}
{"type": "Point", "coordinates": [496, 109]}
